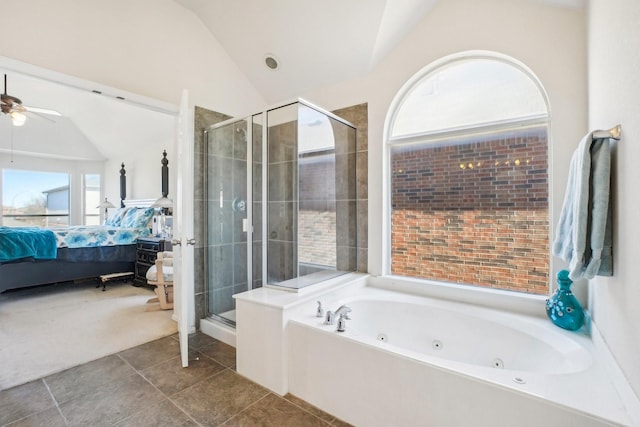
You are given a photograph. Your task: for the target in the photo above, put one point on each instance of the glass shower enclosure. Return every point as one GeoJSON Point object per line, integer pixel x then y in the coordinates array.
{"type": "Point", "coordinates": [281, 203]}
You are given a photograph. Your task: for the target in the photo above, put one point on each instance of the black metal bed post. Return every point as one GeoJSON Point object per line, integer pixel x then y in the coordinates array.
{"type": "Point", "coordinates": [123, 185]}
{"type": "Point", "coordinates": [165, 174]}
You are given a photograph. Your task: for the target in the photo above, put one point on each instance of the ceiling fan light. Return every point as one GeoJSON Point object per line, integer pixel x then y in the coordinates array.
{"type": "Point", "coordinates": [18, 118]}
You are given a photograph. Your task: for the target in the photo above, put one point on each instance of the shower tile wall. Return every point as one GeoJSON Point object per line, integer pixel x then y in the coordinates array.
{"type": "Point", "coordinates": [257, 201]}
{"type": "Point", "coordinates": [282, 206]}
{"type": "Point", "coordinates": [227, 210]}
{"type": "Point", "coordinates": [203, 118]}
{"type": "Point", "coordinates": [357, 115]}
{"type": "Point", "coordinates": [345, 197]}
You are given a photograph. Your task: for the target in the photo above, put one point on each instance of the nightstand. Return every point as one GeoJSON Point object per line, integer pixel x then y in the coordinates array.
{"type": "Point", "coordinates": [146, 254]}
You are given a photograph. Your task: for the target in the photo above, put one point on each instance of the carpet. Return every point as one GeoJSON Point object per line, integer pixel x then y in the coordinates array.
{"type": "Point", "coordinates": [48, 329]}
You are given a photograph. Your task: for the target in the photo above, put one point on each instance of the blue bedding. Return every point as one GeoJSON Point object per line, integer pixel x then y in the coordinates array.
{"type": "Point", "coordinates": [26, 242]}
{"type": "Point", "coordinates": [85, 236]}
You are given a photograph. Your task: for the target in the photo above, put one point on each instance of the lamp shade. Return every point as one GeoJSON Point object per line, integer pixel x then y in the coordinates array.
{"type": "Point", "coordinates": [105, 205]}
{"type": "Point", "coordinates": [163, 202]}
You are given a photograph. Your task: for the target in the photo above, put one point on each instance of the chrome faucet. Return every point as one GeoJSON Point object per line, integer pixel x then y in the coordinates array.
{"type": "Point", "coordinates": [319, 310]}
{"type": "Point", "coordinates": [330, 316]}
{"type": "Point", "coordinates": [342, 322]}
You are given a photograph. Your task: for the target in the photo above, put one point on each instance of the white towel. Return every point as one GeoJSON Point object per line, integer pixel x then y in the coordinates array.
{"type": "Point", "coordinates": [580, 235]}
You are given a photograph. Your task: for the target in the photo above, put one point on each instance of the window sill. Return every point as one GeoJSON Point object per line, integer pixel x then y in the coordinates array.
{"type": "Point", "coordinates": [518, 302]}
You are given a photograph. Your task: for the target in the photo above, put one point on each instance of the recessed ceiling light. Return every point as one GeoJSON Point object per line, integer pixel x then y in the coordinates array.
{"type": "Point", "coordinates": [271, 62]}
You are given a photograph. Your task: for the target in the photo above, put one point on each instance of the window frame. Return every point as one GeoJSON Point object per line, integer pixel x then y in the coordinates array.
{"type": "Point", "coordinates": [389, 142]}
{"type": "Point", "coordinates": [46, 215]}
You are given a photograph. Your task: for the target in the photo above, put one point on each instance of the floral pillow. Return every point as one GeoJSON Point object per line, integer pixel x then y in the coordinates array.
{"type": "Point", "coordinates": [115, 220]}
{"type": "Point", "coordinates": [137, 218]}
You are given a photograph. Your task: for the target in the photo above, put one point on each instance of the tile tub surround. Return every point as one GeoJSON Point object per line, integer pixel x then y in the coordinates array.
{"type": "Point", "coordinates": [146, 386]}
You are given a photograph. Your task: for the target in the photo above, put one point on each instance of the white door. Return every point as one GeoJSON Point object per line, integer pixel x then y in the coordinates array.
{"type": "Point", "coordinates": [183, 239]}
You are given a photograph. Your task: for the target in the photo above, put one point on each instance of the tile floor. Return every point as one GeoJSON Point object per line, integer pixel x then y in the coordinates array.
{"type": "Point", "coordinates": [146, 386]}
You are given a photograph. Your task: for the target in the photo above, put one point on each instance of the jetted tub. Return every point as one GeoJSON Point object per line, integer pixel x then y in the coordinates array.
{"type": "Point", "coordinates": [407, 360]}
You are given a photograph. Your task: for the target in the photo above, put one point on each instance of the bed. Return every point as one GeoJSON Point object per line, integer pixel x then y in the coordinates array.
{"type": "Point", "coordinates": [32, 256]}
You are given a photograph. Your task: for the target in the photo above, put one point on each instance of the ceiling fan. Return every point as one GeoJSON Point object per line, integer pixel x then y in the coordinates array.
{"type": "Point", "coordinates": [13, 107]}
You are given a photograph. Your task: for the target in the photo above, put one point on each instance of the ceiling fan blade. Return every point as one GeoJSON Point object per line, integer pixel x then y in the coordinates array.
{"type": "Point", "coordinates": [42, 111]}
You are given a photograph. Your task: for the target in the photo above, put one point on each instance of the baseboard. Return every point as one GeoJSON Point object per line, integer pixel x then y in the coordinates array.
{"type": "Point", "coordinates": [219, 331]}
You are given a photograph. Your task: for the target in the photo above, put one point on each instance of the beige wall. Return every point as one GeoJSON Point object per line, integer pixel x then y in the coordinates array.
{"type": "Point", "coordinates": [614, 91]}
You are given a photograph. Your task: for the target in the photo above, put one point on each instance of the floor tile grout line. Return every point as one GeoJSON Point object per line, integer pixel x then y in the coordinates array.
{"type": "Point", "coordinates": [169, 397]}
{"type": "Point", "coordinates": [166, 397]}
{"type": "Point", "coordinates": [329, 423]}
{"type": "Point", "coordinates": [244, 409]}
{"type": "Point", "coordinates": [55, 401]}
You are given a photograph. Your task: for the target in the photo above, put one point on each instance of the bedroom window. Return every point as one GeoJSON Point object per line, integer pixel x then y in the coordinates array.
{"type": "Point", "coordinates": [468, 175]}
{"type": "Point", "coordinates": [34, 198]}
{"type": "Point", "coordinates": [91, 199]}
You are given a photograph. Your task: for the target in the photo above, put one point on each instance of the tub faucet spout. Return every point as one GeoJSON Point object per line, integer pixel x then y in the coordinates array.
{"type": "Point", "coordinates": [343, 311]}
{"type": "Point", "coordinates": [330, 316]}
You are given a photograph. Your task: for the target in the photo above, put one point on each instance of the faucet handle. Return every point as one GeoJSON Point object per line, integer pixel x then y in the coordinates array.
{"type": "Point", "coordinates": [329, 318]}
{"type": "Point", "coordinates": [342, 322]}
{"type": "Point", "coordinates": [319, 310]}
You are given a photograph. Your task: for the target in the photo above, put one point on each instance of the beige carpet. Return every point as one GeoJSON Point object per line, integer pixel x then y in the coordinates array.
{"type": "Point", "coordinates": [48, 329]}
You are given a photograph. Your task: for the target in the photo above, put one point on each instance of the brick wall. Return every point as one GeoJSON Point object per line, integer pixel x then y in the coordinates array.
{"type": "Point", "coordinates": [317, 242]}
{"type": "Point", "coordinates": [473, 211]}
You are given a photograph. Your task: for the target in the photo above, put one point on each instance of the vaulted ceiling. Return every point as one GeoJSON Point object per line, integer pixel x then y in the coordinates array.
{"type": "Point", "coordinates": [316, 43]}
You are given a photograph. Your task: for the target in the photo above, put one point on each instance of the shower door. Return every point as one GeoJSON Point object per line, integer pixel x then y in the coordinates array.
{"type": "Point", "coordinates": [228, 217]}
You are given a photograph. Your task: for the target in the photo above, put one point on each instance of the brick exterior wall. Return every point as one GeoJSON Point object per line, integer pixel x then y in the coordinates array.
{"type": "Point", "coordinates": [473, 211]}
{"type": "Point", "coordinates": [317, 244]}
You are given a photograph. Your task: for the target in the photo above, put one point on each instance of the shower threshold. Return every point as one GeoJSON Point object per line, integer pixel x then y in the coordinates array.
{"type": "Point", "coordinates": [300, 283]}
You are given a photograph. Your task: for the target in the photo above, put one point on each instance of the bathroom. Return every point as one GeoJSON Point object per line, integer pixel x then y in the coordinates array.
{"type": "Point", "coordinates": [565, 90]}
{"type": "Point", "coordinates": [584, 53]}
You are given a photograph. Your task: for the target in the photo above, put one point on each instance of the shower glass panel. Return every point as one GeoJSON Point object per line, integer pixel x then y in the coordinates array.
{"type": "Point", "coordinates": [281, 203]}
{"type": "Point", "coordinates": [311, 196]}
{"type": "Point", "coordinates": [227, 218]}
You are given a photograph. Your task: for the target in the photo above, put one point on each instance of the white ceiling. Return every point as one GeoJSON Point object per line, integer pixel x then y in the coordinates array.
{"type": "Point", "coordinates": [92, 127]}
{"type": "Point", "coordinates": [315, 42]}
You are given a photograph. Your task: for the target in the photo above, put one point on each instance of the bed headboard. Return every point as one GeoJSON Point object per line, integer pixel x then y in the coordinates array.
{"type": "Point", "coordinates": [138, 203]}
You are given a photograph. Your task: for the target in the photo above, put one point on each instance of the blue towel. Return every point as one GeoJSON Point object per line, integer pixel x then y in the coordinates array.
{"type": "Point", "coordinates": [583, 236]}
{"type": "Point", "coordinates": [25, 242]}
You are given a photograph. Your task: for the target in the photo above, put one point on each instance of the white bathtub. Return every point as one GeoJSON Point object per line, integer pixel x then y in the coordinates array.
{"type": "Point", "coordinates": [408, 360]}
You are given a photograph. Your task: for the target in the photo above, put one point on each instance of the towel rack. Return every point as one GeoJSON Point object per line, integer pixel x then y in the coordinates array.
{"type": "Point", "coordinates": [614, 133]}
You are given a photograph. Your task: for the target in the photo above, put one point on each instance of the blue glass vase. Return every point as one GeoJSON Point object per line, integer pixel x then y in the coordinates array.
{"type": "Point", "coordinates": [563, 308]}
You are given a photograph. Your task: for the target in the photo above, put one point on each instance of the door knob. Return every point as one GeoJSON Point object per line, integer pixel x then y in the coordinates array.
{"type": "Point", "coordinates": [176, 242]}
{"type": "Point", "coordinates": [191, 242]}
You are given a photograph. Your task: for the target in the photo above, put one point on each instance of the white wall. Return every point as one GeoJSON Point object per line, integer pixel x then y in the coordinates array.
{"type": "Point", "coordinates": [549, 40]}
{"type": "Point", "coordinates": [153, 48]}
{"type": "Point", "coordinates": [614, 94]}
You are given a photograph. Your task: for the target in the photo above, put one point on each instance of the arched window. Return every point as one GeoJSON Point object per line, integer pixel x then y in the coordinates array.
{"type": "Point", "coordinates": [468, 175]}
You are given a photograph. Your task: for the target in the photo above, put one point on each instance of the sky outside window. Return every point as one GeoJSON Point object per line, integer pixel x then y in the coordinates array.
{"type": "Point", "coordinates": [22, 188]}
